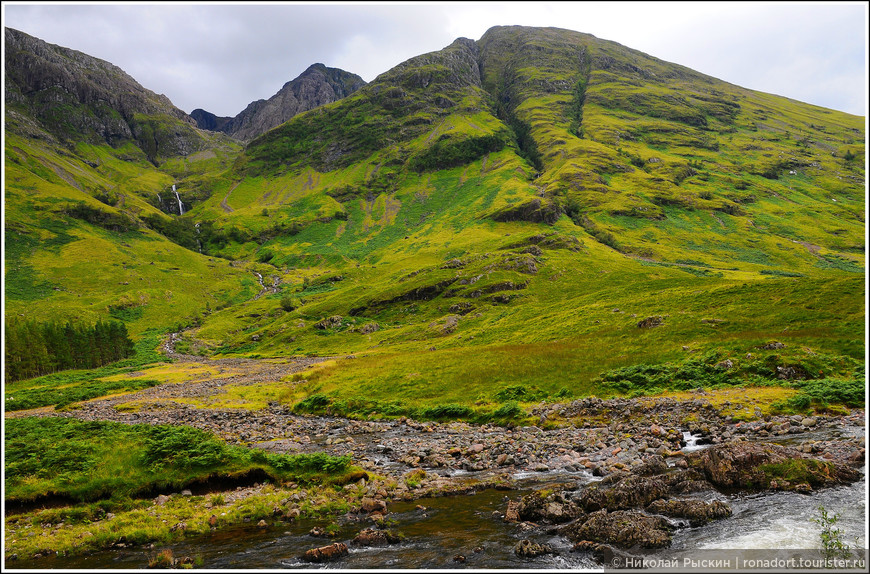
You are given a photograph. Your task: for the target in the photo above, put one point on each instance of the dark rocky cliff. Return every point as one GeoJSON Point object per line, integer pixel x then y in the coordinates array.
{"type": "Point", "coordinates": [316, 86]}
{"type": "Point", "coordinates": [77, 97]}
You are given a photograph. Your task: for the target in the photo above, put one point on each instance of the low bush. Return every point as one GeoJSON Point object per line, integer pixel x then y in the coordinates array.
{"type": "Point", "coordinates": [316, 403]}
{"type": "Point", "coordinates": [509, 410]}
{"type": "Point", "coordinates": [89, 460]}
{"type": "Point", "coordinates": [448, 411]}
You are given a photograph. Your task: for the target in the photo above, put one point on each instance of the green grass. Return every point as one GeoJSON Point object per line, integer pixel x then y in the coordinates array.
{"type": "Point", "coordinates": [87, 461]}
{"type": "Point", "coordinates": [578, 198]}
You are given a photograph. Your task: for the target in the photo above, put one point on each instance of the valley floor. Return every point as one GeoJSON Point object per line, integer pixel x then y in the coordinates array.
{"type": "Point", "coordinates": [406, 459]}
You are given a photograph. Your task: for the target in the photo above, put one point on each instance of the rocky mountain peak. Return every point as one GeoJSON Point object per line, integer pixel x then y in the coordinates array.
{"type": "Point", "coordinates": [318, 85]}
{"type": "Point", "coordinates": [78, 97]}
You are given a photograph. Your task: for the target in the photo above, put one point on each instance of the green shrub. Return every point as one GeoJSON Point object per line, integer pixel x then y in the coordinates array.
{"type": "Point", "coordinates": [183, 447]}
{"type": "Point", "coordinates": [446, 153]}
{"type": "Point", "coordinates": [509, 410]}
{"type": "Point", "coordinates": [448, 411]}
{"type": "Point", "coordinates": [315, 403]}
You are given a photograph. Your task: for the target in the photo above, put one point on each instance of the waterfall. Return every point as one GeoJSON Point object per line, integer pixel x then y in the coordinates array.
{"type": "Point", "coordinates": [198, 241]}
{"type": "Point", "coordinates": [178, 198]}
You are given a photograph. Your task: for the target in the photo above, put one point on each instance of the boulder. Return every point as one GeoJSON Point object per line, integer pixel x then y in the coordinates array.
{"type": "Point", "coordinates": [511, 514]}
{"type": "Point", "coordinates": [333, 322]}
{"type": "Point", "coordinates": [373, 505]}
{"type": "Point", "coordinates": [621, 528]}
{"type": "Point", "coordinates": [759, 466]}
{"type": "Point", "coordinates": [650, 322]}
{"type": "Point", "coordinates": [547, 507]}
{"type": "Point", "coordinates": [528, 549]}
{"type": "Point", "coordinates": [697, 512]}
{"type": "Point", "coordinates": [369, 328]}
{"type": "Point", "coordinates": [372, 537]}
{"type": "Point", "coordinates": [629, 492]}
{"type": "Point", "coordinates": [325, 553]}
{"type": "Point", "coordinates": [651, 466]}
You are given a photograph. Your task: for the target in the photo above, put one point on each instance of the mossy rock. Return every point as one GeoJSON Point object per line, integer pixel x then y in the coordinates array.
{"type": "Point", "coordinates": [755, 466]}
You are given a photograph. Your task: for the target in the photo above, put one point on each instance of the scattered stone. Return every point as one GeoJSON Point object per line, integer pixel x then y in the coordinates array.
{"type": "Point", "coordinates": [527, 549]}
{"type": "Point", "coordinates": [650, 322]}
{"type": "Point", "coordinates": [325, 553]}
{"type": "Point", "coordinates": [773, 345]}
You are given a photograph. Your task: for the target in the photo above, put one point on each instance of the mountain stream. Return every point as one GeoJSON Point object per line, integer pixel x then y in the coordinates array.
{"type": "Point", "coordinates": [469, 531]}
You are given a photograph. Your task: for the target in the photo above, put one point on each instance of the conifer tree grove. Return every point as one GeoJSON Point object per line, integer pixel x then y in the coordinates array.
{"type": "Point", "coordinates": [36, 349]}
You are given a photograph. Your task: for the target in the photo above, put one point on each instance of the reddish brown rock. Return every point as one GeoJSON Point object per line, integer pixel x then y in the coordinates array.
{"type": "Point", "coordinates": [758, 466]}
{"type": "Point", "coordinates": [325, 553]}
{"type": "Point", "coordinates": [372, 537]}
{"type": "Point", "coordinates": [622, 528]}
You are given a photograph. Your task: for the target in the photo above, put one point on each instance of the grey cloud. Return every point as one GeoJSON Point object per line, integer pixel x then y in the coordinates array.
{"type": "Point", "coordinates": [221, 57]}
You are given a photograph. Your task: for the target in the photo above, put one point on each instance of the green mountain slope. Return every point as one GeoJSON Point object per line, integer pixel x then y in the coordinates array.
{"type": "Point", "coordinates": [529, 210]}
{"type": "Point", "coordinates": [89, 162]}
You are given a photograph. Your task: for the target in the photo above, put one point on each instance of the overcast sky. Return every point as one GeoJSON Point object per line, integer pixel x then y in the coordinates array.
{"type": "Point", "coordinates": [222, 56]}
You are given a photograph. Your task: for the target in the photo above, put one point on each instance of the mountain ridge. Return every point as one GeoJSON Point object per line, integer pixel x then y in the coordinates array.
{"type": "Point", "coordinates": [316, 86]}
{"type": "Point", "coordinates": [80, 97]}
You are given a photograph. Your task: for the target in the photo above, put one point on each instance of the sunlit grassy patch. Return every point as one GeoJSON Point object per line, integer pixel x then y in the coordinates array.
{"type": "Point", "coordinates": [742, 403]}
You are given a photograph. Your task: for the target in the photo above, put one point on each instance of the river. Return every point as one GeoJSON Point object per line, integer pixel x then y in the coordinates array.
{"type": "Point", "coordinates": [468, 531]}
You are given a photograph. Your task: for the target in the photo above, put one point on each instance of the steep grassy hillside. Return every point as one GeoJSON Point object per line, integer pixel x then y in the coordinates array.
{"type": "Point", "coordinates": [514, 219]}
{"type": "Point", "coordinates": [84, 238]}
{"type": "Point", "coordinates": [510, 212]}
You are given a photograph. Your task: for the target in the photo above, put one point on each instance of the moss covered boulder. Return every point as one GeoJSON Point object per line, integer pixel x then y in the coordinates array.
{"type": "Point", "coordinates": [759, 466]}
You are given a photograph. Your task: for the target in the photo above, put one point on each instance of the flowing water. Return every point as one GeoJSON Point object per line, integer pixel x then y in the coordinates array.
{"type": "Point", "coordinates": [468, 531]}
{"type": "Point", "coordinates": [178, 198]}
{"type": "Point", "coordinates": [471, 526]}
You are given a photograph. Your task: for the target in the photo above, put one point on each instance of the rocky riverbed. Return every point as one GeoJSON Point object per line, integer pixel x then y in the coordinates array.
{"type": "Point", "coordinates": [649, 479]}
{"type": "Point", "coordinates": [599, 436]}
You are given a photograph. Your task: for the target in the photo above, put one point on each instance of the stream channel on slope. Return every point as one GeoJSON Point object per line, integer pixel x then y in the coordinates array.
{"type": "Point", "coordinates": [469, 531]}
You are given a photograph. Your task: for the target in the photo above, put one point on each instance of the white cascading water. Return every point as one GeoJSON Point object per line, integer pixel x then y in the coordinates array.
{"type": "Point", "coordinates": [178, 198]}
{"type": "Point", "coordinates": [691, 442]}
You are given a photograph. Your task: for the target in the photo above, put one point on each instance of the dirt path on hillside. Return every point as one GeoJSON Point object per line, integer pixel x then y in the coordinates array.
{"type": "Point", "coordinates": [224, 203]}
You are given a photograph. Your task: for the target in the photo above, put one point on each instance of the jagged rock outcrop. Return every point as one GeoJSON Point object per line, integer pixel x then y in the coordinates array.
{"type": "Point", "coordinates": [316, 86]}
{"type": "Point", "coordinates": [397, 107]}
{"type": "Point", "coordinates": [758, 466]}
{"type": "Point", "coordinates": [208, 121]}
{"type": "Point", "coordinates": [622, 528]}
{"type": "Point", "coordinates": [77, 97]}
